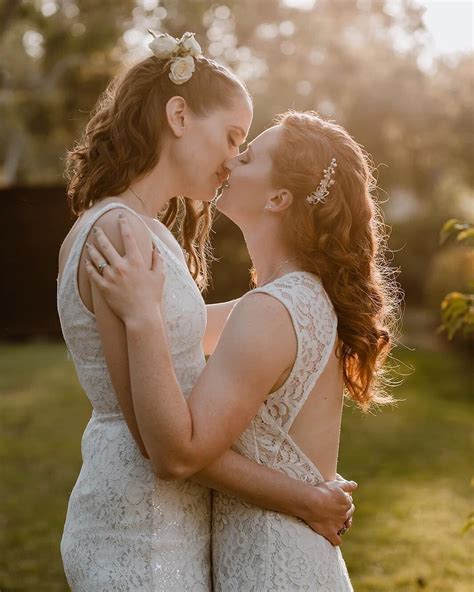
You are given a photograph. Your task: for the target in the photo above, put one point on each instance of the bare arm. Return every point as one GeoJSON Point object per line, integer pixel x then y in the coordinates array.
{"type": "Point", "coordinates": [257, 346]}
{"type": "Point", "coordinates": [111, 328]}
{"type": "Point", "coordinates": [322, 507]}
{"type": "Point", "coordinates": [325, 507]}
{"type": "Point", "coordinates": [217, 315]}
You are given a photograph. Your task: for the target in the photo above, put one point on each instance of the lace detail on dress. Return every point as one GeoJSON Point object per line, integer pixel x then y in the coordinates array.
{"type": "Point", "coordinates": [256, 550]}
{"type": "Point", "coordinates": [126, 530]}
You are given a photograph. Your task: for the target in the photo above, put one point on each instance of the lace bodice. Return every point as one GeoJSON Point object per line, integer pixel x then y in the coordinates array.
{"type": "Point", "coordinates": [125, 529]}
{"type": "Point", "coordinates": [256, 550]}
{"type": "Point", "coordinates": [185, 322]}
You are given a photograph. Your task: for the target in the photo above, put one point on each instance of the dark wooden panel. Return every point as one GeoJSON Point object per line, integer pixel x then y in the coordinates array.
{"type": "Point", "coordinates": [33, 223]}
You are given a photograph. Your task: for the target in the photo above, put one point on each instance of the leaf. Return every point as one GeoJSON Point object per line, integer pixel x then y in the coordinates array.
{"type": "Point", "coordinates": [449, 228]}
{"type": "Point", "coordinates": [456, 311]}
{"type": "Point", "coordinates": [466, 236]}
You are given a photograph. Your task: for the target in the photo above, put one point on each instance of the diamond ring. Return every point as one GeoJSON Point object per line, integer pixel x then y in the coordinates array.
{"type": "Point", "coordinates": [101, 266]}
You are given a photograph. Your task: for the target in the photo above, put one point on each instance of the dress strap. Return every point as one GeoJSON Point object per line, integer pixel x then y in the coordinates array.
{"type": "Point", "coordinates": [101, 211]}
{"type": "Point", "coordinates": [70, 266]}
{"type": "Point", "coordinates": [315, 324]}
{"type": "Point", "coordinates": [154, 237]}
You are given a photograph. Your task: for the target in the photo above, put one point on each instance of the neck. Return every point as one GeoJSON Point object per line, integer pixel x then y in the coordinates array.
{"type": "Point", "coordinates": [268, 252]}
{"type": "Point", "coordinates": [154, 190]}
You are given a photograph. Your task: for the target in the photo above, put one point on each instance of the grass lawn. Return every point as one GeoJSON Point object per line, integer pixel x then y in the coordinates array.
{"type": "Point", "coordinates": [411, 463]}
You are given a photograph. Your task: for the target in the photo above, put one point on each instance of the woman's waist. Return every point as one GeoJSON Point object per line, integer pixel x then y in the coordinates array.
{"type": "Point", "coordinates": [281, 454]}
{"type": "Point", "coordinates": [231, 514]}
{"type": "Point", "coordinates": [136, 483]}
{"type": "Point", "coordinates": [135, 499]}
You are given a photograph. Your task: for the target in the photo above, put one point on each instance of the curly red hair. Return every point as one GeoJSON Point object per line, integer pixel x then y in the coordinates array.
{"type": "Point", "coordinates": [343, 241]}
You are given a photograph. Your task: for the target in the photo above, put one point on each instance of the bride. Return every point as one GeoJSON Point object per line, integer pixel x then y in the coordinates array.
{"type": "Point", "coordinates": [317, 324]}
{"type": "Point", "coordinates": [162, 130]}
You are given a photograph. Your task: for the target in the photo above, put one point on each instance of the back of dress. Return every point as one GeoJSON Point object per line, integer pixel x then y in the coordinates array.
{"type": "Point", "coordinates": [255, 549]}
{"type": "Point", "coordinates": [126, 529]}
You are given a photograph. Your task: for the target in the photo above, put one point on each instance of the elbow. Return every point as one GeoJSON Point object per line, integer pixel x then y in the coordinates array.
{"type": "Point", "coordinates": [172, 469]}
{"type": "Point", "coordinates": [169, 472]}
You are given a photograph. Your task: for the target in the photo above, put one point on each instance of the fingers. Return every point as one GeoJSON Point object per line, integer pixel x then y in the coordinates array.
{"type": "Point", "coordinates": [95, 256]}
{"type": "Point", "coordinates": [129, 242]}
{"type": "Point", "coordinates": [156, 259]}
{"type": "Point", "coordinates": [105, 247]}
{"type": "Point", "coordinates": [349, 513]}
{"type": "Point", "coordinates": [94, 275]}
{"type": "Point", "coordinates": [348, 485]}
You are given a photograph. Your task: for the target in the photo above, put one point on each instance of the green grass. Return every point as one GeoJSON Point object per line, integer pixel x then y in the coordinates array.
{"type": "Point", "coordinates": [411, 463]}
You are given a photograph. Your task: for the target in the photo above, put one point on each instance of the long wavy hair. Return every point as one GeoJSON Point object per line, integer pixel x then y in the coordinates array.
{"type": "Point", "coordinates": [122, 142]}
{"type": "Point", "coordinates": [343, 241]}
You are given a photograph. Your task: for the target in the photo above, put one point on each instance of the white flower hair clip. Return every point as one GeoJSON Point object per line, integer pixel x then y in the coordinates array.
{"type": "Point", "coordinates": [180, 52]}
{"type": "Point", "coordinates": [319, 196]}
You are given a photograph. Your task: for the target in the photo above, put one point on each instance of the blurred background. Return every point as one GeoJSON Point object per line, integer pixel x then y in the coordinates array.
{"type": "Point", "coordinates": [399, 76]}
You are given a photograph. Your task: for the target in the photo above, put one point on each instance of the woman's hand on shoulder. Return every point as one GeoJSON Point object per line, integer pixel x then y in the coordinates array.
{"type": "Point", "coordinates": [125, 266]}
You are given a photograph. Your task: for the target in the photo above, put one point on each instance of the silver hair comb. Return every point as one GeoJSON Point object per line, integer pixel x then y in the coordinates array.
{"type": "Point", "coordinates": [322, 191]}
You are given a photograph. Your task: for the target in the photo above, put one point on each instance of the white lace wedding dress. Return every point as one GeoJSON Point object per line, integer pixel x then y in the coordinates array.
{"type": "Point", "coordinates": [255, 550]}
{"type": "Point", "coordinates": [126, 530]}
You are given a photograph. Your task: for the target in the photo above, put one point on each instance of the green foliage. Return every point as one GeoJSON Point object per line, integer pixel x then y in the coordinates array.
{"type": "Point", "coordinates": [457, 309]}
{"type": "Point", "coordinates": [463, 232]}
{"type": "Point", "coordinates": [457, 312]}
{"type": "Point", "coordinates": [410, 463]}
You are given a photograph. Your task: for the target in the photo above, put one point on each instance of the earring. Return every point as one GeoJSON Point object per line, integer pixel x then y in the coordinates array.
{"type": "Point", "coordinates": [268, 208]}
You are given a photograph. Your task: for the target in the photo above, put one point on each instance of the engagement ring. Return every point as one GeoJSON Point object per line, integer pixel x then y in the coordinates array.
{"type": "Point", "coordinates": [101, 266]}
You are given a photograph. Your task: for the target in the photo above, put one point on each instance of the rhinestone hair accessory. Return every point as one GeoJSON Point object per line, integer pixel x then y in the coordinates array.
{"type": "Point", "coordinates": [179, 52]}
{"type": "Point", "coordinates": [319, 196]}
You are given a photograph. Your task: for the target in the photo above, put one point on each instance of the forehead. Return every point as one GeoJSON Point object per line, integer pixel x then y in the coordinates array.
{"type": "Point", "coordinates": [239, 114]}
{"type": "Point", "coordinates": [268, 139]}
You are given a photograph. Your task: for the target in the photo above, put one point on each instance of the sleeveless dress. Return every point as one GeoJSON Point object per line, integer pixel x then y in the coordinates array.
{"type": "Point", "coordinates": [126, 530]}
{"type": "Point", "coordinates": [255, 550]}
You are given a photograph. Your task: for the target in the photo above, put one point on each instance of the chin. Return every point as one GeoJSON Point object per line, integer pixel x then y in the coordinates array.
{"type": "Point", "coordinates": [225, 207]}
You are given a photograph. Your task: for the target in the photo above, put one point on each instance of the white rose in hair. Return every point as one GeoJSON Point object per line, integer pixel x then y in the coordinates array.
{"type": "Point", "coordinates": [182, 69]}
{"type": "Point", "coordinates": [164, 46]}
{"type": "Point", "coordinates": [190, 45]}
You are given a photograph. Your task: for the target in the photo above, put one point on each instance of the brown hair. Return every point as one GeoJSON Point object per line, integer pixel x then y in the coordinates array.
{"type": "Point", "coordinates": [342, 241]}
{"type": "Point", "coordinates": [122, 143]}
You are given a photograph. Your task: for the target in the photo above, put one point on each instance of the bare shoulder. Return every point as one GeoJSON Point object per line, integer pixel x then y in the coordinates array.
{"type": "Point", "coordinates": [258, 339]}
{"type": "Point", "coordinates": [263, 318]}
{"type": "Point", "coordinates": [109, 223]}
{"type": "Point", "coordinates": [263, 305]}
